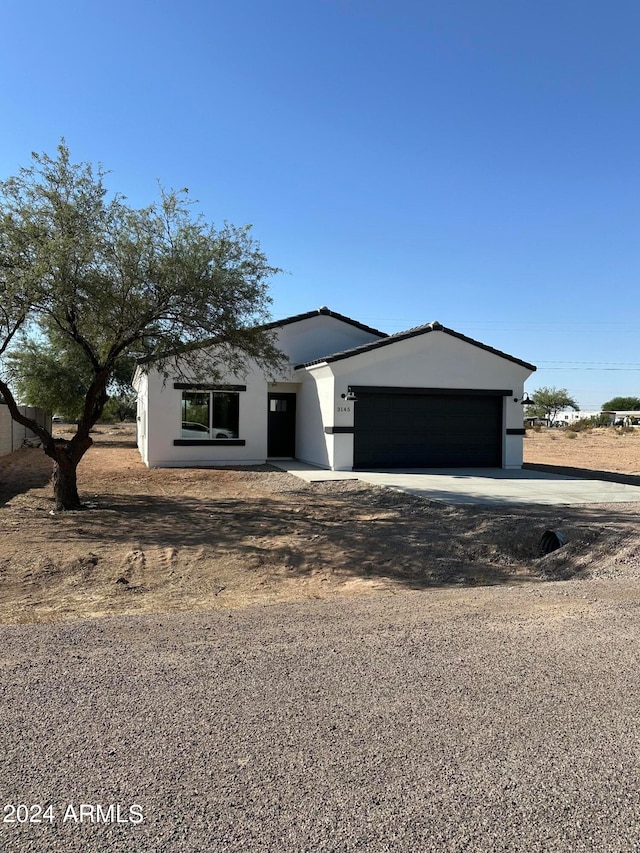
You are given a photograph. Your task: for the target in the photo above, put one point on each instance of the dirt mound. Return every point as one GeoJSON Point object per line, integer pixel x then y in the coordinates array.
{"type": "Point", "coordinates": [184, 539]}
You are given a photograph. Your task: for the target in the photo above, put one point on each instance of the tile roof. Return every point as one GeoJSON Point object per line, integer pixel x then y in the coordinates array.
{"type": "Point", "coordinates": [327, 313]}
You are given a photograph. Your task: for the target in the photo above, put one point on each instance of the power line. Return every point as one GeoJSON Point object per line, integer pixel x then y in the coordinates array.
{"type": "Point", "coordinates": [617, 363]}
{"type": "Point", "coordinates": [512, 324]}
{"type": "Point", "coordinates": [596, 369]}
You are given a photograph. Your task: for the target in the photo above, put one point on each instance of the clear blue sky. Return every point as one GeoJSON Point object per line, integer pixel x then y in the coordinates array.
{"type": "Point", "coordinates": [472, 162]}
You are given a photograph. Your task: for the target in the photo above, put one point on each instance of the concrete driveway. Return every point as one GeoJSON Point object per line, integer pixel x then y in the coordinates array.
{"type": "Point", "coordinates": [489, 486]}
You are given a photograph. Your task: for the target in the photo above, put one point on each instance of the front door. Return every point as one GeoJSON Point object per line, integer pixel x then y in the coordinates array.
{"type": "Point", "coordinates": [281, 439]}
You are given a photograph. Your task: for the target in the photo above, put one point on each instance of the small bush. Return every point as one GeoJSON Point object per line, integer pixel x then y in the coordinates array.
{"type": "Point", "coordinates": [601, 420]}
{"type": "Point", "coordinates": [584, 424]}
{"type": "Point", "coordinates": [570, 433]}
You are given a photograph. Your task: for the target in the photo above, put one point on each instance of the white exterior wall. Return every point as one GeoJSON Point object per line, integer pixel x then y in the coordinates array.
{"type": "Point", "coordinates": [513, 414]}
{"type": "Point", "coordinates": [159, 418]}
{"type": "Point", "coordinates": [140, 383]}
{"type": "Point", "coordinates": [164, 420]}
{"type": "Point", "coordinates": [318, 336]}
{"type": "Point", "coordinates": [569, 417]}
{"type": "Point", "coordinates": [432, 360]}
{"type": "Point", "coordinates": [342, 416]}
{"type": "Point", "coordinates": [314, 410]}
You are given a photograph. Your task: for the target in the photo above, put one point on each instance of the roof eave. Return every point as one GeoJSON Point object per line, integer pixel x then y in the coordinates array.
{"type": "Point", "coordinates": [413, 333]}
{"type": "Point", "coordinates": [265, 327]}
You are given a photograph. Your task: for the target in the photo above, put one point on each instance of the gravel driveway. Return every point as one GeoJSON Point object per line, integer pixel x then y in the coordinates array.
{"type": "Point", "coordinates": [495, 719]}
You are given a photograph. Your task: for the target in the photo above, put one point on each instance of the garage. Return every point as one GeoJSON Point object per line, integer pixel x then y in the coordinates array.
{"type": "Point", "coordinates": [351, 397]}
{"type": "Point", "coordinates": [419, 428]}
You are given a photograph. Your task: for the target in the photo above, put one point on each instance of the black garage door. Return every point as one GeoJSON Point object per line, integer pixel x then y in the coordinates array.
{"type": "Point", "coordinates": [396, 430]}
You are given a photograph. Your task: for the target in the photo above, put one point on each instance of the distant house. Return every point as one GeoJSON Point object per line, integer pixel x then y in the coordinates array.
{"type": "Point", "coordinates": [567, 418]}
{"type": "Point", "coordinates": [13, 435]}
{"type": "Point", "coordinates": [534, 420]}
{"type": "Point", "coordinates": [619, 418]}
{"type": "Point", "coordinates": [353, 398]}
{"type": "Point", "coordinates": [624, 418]}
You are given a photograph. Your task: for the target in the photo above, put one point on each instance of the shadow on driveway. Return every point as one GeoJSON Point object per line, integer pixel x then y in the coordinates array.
{"type": "Point", "coordinates": [585, 473]}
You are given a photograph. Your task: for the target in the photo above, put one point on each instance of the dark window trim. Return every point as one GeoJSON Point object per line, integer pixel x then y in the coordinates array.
{"type": "Point", "coordinates": [207, 442]}
{"type": "Point", "coordinates": [464, 392]}
{"type": "Point", "coordinates": [516, 432]}
{"type": "Point", "coordinates": [338, 430]}
{"type": "Point", "coordinates": [199, 386]}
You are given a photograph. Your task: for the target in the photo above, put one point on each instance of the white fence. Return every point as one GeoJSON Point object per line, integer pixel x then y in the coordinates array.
{"type": "Point", "coordinates": [12, 434]}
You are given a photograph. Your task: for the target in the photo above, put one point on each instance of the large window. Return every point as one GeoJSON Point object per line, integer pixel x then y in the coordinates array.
{"type": "Point", "coordinates": [210, 414]}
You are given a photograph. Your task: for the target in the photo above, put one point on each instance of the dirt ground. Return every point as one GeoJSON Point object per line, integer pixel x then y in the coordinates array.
{"type": "Point", "coordinates": [604, 451]}
{"type": "Point", "coordinates": [154, 541]}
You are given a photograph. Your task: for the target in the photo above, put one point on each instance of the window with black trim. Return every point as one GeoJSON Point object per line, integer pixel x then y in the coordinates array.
{"type": "Point", "coordinates": [210, 414]}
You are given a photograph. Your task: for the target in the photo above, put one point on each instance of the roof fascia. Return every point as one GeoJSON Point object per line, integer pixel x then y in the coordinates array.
{"type": "Point", "coordinates": [325, 312]}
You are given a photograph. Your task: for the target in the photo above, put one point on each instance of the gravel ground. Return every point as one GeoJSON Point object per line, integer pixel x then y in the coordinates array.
{"type": "Point", "coordinates": [489, 719]}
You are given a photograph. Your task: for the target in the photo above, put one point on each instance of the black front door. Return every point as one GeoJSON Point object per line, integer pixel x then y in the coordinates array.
{"type": "Point", "coordinates": [281, 440]}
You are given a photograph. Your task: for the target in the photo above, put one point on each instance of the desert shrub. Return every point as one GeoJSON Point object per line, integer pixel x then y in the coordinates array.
{"type": "Point", "coordinates": [569, 433]}
{"type": "Point", "coordinates": [624, 430]}
{"type": "Point", "coordinates": [601, 420]}
{"type": "Point", "coordinates": [583, 425]}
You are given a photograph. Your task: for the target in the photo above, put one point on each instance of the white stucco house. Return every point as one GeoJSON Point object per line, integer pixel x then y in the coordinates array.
{"type": "Point", "coordinates": [353, 398]}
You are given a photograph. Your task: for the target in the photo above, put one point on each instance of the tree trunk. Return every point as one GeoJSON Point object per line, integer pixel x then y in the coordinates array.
{"type": "Point", "coordinates": [65, 483]}
{"type": "Point", "coordinates": [65, 486]}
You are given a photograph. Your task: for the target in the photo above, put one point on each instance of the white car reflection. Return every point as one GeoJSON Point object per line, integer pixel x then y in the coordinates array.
{"type": "Point", "coordinates": [191, 429]}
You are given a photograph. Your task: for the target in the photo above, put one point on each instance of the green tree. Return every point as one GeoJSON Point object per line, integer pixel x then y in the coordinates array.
{"type": "Point", "coordinates": [122, 406]}
{"type": "Point", "coordinates": [91, 282]}
{"type": "Point", "coordinates": [52, 376]}
{"type": "Point", "coordinates": [622, 404]}
{"type": "Point", "coordinates": [547, 402]}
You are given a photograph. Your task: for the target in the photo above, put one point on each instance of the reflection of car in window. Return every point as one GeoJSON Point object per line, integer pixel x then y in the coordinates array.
{"type": "Point", "coordinates": [192, 426]}
{"type": "Point", "coordinates": [191, 429]}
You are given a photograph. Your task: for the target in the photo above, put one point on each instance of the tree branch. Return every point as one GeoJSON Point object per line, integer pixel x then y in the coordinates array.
{"type": "Point", "coordinates": [29, 423]}
{"type": "Point", "coordinates": [11, 332]}
{"type": "Point", "coordinates": [73, 332]}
